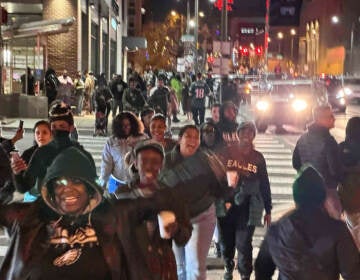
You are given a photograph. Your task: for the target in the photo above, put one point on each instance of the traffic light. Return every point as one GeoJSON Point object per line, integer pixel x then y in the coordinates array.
{"type": "Point", "coordinates": [245, 51]}
{"type": "Point", "coordinates": [259, 51]}
{"type": "Point", "coordinates": [219, 4]}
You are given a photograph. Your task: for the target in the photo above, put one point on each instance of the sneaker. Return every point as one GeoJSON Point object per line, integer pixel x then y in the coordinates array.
{"type": "Point", "coordinates": [228, 270]}
{"type": "Point", "coordinates": [228, 274]}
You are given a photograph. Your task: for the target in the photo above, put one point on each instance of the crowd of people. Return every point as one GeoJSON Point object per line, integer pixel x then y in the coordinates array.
{"type": "Point", "coordinates": [152, 211]}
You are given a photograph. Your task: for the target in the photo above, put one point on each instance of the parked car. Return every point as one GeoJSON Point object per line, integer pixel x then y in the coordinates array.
{"type": "Point", "coordinates": [337, 95]}
{"type": "Point", "coordinates": [351, 87]}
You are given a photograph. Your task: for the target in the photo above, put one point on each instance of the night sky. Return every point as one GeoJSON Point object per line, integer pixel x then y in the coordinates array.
{"type": "Point", "coordinates": [156, 10]}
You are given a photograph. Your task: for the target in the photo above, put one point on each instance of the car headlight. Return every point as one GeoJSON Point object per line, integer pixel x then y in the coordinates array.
{"type": "Point", "coordinates": [340, 94]}
{"type": "Point", "coordinates": [347, 91]}
{"type": "Point", "coordinates": [262, 105]}
{"type": "Point", "coordinates": [343, 92]}
{"type": "Point", "coordinates": [299, 105]}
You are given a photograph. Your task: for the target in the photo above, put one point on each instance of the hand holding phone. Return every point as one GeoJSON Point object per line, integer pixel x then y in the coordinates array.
{"type": "Point", "coordinates": [21, 124]}
{"type": "Point", "coordinates": [19, 133]}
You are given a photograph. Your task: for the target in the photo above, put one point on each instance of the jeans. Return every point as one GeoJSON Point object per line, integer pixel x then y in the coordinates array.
{"type": "Point", "coordinates": [191, 259]}
{"type": "Point", "coordinates": [117, 103]}
{"type": "Point", "coordinates": [198, 115]}
{"type": "Point", "coordinates": [80, 102]}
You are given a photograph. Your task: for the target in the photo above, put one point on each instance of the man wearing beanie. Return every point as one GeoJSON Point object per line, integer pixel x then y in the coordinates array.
{"type": "Point", "coordinates": [28, 177]}
{"type": "Point", "coordinates": [318, 148]}
{"type": "Point", "coordinates": [307, 244]}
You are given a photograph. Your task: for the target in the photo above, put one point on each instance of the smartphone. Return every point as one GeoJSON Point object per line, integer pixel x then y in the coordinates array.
{"type": "Point", "coordinates": [21, 124]}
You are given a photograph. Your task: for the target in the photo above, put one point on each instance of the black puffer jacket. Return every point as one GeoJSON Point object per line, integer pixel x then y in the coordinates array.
{"type": "Point", "coordinates": [318, 148]}
{"type": "Point", "coordinates": [308, 245]}
{"type": "Point", "coordinates": [5, 169]}
{"type": "Point", "coordinates": [6, 175]}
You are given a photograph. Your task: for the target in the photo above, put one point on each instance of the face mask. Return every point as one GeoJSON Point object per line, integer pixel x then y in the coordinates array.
{"type": "Point", "coordinates": [60, 133]}
{"type": "Point", "coordinates": [209, 139]}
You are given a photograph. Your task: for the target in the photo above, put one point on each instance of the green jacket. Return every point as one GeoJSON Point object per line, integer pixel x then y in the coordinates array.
{"type": "Point", "coordinates": [177, 86]}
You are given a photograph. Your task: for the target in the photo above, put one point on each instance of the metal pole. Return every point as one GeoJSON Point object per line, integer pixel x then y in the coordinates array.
{"type": "Point", "coordinates": [223, 12]}
{"type": "Point", "coordinates": [196, 35]}
{"type": "Point", "coordinates": [267, 27]}
{"type": "Point", "coordinates": [187, 17]}
{"type": "Point", "coordinates": [1, 56]}
{"type": "Point", "coordinates": [226, 21]}
{"type": "Point", "coordinates": [292, 48]}
{"type": "Point", "coordinates": [351, 46]}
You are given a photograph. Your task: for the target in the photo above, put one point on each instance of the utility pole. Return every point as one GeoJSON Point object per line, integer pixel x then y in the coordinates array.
{"type": "Point", "coordinates": [187, 17]}
{"type": "Point", "coordinates": [267, 27]}
{"type": "Point", "coordinates": [196, 35]}
{"type": "Point", "coordinates": [224, 19]}
{"type": "Point", "coordinates": [1, 54]}
{"type": "Point", "coordinates": [352, 47]}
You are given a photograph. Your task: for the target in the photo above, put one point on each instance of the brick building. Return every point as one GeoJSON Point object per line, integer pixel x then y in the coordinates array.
{"type": "Point", "coordinates": [37, 40]}
{"type": "Point", "coordinates": [91, 42]}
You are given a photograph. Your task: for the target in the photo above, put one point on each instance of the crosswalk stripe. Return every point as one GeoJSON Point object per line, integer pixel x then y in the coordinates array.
{"type": "Point", "coordinates": [279, 170]}
{"type": "Point", "coordinates": [270, 146]}
{"type": "Point", "coordinates": [275, 151]}
{"type": "Point", "coordinates": [277, 156]}
{"type": "Point", "coordinates": [279, 163]}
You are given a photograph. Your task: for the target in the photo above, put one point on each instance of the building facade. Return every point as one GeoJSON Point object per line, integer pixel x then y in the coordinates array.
{"type": "Point", "coordinates": [329, 41]}
{"type": "Point", "coordinates": [76, 35]}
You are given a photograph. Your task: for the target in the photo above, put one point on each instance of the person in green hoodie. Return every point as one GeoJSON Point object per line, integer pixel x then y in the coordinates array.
{"type": "Point", "coordinates": [72, 232]}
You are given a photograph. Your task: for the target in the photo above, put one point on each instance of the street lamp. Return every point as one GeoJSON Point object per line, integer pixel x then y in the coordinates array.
{"type": "Point", "coordinates": [335, 20]}
{"type": "Point", "coordinates": [292, 33]}
{"type": "Point", "coordinates": [280, 36]}
{"type": "Point", "coordinates": [191, 23]}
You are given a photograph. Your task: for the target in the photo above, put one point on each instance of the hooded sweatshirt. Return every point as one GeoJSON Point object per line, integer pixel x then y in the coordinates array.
{"type": "Point", "coordinates": [98, 244]}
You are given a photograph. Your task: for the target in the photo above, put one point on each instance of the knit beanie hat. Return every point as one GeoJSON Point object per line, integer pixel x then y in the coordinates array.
{"type": "Point", "coordinates": [247, 124]}
{"type": "Point", "coordinates": [309, 187]}
{"type": "Point", "coordinates": [61, 111]}
{"type": "Point", "coordinates": [149, 144]}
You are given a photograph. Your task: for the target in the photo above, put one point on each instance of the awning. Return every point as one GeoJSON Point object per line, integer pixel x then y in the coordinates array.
{"type": "Point", "coordinates": [32, 29]}
{"type": "Point", "coordinates": [134, 43]}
